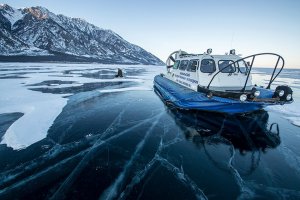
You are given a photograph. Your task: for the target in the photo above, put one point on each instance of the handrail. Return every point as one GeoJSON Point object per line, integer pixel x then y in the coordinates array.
{"type": "Point", "coordinates": [250, 68]}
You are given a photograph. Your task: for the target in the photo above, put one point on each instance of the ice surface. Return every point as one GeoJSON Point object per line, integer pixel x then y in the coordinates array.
{"type": "Point", "coordinates": [41, 109]}
{"type": "Point", "coordinates": [121, 141]}
{"type": "Point", "coordinates": [113, 190]}
{"type": "Point", "coordinates": [125, 89]}
{"type": "Point", "coordinates": [290, 112]}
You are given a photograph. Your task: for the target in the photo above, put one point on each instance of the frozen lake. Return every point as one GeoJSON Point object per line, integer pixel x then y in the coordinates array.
{"type": "Point", "coordinates": [74, 131]}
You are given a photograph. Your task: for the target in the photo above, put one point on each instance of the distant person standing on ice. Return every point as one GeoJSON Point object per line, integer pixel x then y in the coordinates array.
{"type": "Point", "coordinates": [119, 73]}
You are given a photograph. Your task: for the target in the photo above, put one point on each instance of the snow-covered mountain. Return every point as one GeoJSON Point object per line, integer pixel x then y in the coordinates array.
{"type": "Point", "coordinates": [36, 34]}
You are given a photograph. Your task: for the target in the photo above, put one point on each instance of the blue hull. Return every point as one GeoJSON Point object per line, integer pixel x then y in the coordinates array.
{"type": "Point", "coordinates": [185, 98]}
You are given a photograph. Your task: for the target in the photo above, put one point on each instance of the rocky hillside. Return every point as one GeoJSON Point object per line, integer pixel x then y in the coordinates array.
{"type": "Point", "coordinates": [36, 34]}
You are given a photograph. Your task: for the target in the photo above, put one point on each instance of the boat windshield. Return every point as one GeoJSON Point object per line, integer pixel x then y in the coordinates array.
{"type": "Point", "coordinates": [243, 68]}
{"type": "Point", "coordinates": [226, 66]}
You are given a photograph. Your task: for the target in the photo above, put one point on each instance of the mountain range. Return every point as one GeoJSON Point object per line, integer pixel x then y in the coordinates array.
{"type": "Point", "coordinates": [36, 34]}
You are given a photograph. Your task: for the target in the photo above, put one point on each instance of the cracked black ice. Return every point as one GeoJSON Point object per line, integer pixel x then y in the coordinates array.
{"type": "Point", "coordinates": [77, 132]}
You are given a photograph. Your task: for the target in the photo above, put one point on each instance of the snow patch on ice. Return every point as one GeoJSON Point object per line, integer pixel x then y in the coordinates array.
{"type": "Point", "coordinates": [294, 120]}
{"type": "Point", "coordinates": [126, 89]}
{"type": "Point", "coordinates": [290, 112]}
{"type": "Point", "coordinates": [34, 124]}
{"type": "Point", "coordinates": [61, 86]}
{"type": "Point", "coordinates": [41, 109]}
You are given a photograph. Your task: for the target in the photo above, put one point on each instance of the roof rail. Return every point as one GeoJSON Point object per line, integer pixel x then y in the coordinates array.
{"type": "Point", "coordinates": [188, 55]}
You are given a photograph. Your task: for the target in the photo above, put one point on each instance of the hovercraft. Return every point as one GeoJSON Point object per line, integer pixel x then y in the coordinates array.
{"type": "Point", "coordinates": [218, 83]}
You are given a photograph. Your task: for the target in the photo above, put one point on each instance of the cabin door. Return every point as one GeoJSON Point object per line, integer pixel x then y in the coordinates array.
{"type": "Point", "coordinates": [229, 77]}
{"type": "Point", "coordinates": [206, 71]}
{"type": "Point", "coordinates": [192, 74]}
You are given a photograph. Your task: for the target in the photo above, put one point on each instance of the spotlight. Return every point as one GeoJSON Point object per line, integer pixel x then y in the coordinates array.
{"type": "Point", "coordinates": [209, 51]}
{"type": "Point", "coordinates": [281, 93]}
{"type": "Point", "coordinates": [257, 93]}
{"type": "Point", "coordinates": [288, 97]}
{"type": "Point", "coordinates": [243, 97]}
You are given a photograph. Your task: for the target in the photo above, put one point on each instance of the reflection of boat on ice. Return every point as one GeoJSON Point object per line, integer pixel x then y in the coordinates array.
{"type": "Point", "coordinates": [218, 83]}
{"type": "Point", "coordinates": [245, 132]}
{"type": "Point", "coordinates": [249, 134]}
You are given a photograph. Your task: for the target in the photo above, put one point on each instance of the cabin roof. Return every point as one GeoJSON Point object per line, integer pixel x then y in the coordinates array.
{"type": "Point", "coordinates": [200, 56]}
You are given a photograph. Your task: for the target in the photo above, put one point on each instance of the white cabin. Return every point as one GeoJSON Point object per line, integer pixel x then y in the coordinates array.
{"type": "Point", "coordinates": [193, 70]}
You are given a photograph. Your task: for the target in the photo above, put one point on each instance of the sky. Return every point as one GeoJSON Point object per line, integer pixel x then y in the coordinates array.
{"type": "Point", "coordinates": [163, 26]}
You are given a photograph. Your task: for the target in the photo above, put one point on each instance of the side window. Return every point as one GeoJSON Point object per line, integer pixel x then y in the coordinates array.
{"type": "Point", "coordinates": [193, 65]}
{"type": "Point", "coordinates": [208, 66]}
{"type": "Point", "coordinates": [183, 64]}
{"type": "Point", "coordinates": [176, 64]}
{"type": "Point", "coordinates": [226, 66]}
{"type": "Point", "coordinates": [242, 66]}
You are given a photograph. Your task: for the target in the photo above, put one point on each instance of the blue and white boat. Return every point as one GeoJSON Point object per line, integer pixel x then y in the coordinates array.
{"type": "Point", "coordinates": [218, 83]}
